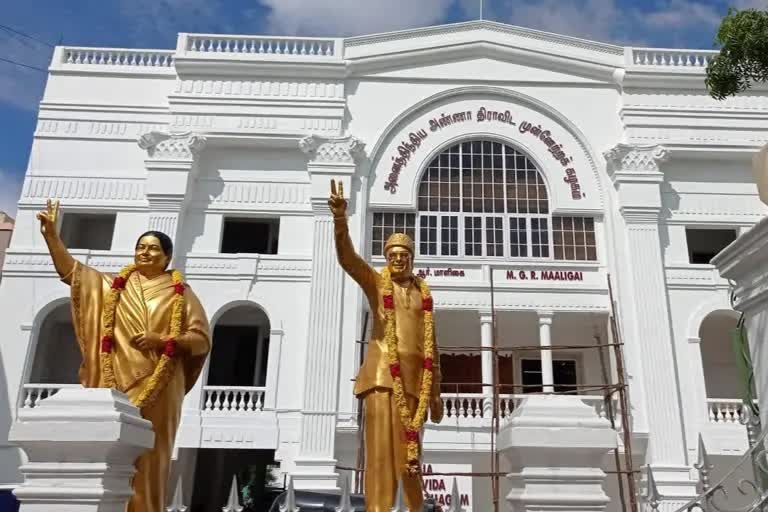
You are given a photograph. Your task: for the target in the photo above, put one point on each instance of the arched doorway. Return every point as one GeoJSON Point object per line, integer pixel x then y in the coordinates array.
{"type": "Point", "coordinates": [239, 348]}
{"type": "Point", "coordinates": [725, 385]}
{"type": "Point", "coordinates": [235, 388]}
{"type": "Point", "coordinates": [56, 357]}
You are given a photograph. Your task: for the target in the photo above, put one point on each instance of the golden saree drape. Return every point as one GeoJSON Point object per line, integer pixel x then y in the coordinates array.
{"type": "Point", "coordinates": [145, 306]}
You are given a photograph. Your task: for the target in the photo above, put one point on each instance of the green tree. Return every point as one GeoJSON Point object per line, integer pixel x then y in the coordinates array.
{"type": "Point", "coordinates": [743, 58]}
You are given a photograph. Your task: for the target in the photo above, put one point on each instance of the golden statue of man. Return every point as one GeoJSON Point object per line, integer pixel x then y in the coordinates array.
{"type": "Point", "coordinates": [400, 377]}
{"type": "Point", "coordinates": [143, 332]}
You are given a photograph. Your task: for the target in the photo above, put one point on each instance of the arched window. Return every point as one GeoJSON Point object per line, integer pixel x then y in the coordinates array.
{"type": "Point", "coordinates": [487, 199]}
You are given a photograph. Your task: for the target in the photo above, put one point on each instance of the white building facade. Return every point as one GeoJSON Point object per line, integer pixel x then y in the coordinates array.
{"type": "Point", "coordinates": [532, 169]}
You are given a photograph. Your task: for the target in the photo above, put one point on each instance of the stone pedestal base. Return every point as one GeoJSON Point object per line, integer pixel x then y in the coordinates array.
{"type": "Point", "coordinates": [315, 475]}
{"type": "Point", "coordinates": [81, 445]}
{"type": "Point", "coordinates": [556, 445]}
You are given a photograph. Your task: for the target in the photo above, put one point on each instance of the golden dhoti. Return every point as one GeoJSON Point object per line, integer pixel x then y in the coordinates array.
{"type": "Point", "coordinates": [385, 452]}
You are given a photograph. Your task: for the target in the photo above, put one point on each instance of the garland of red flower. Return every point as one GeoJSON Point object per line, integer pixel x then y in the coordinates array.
{"type": "Point", "coordinates": [413, 425]}
{"type": "Point", "coordinates": [164, 369]}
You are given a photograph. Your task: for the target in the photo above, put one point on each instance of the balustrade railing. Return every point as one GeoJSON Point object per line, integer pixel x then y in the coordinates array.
{"type": "Point", "coordinates": [257, 45]}
{"type": "Point", "coordinates": [233, 400]}
{"type": "Point", "coordinates": [660, 57]}
{"type": "Point", "coordinates": [33, 394]}
{"type": "Point", "coordinates": [118, 57]}
{"type": "Point", "coordinates": [475, 406]}
{"type": "Point", "coordinates": [726, 410]}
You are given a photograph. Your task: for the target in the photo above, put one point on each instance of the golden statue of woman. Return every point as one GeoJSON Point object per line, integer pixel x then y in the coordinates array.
{"type": "Point", "coordinates": [142, 332]}
{"type": "Point", "coordinates": [400, 377]}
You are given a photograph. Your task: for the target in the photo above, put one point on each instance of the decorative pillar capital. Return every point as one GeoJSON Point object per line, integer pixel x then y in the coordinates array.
{"type": "Point", "coordinates": [625, 159]}
{"type": "Point", "coordinates": [637, 177]}
{"type": "Point", "coordinates": [172, 146]}
{"type": "Point", "coordinates": [545, 317]}
{"type": "Point", "coordinates": [330, 158]}
{"type": "Point", "coordinates": [332, 150]}
{"type": "Point", "coordinates": [486, 316]}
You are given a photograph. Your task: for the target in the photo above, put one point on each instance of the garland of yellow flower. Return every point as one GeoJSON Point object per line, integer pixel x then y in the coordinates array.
{"type": "Point", "coordinates": [413, 425]}
{"type": "Point", "coordinates": [164, 369]}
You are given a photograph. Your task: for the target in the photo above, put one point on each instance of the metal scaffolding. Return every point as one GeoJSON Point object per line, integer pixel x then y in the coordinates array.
{"type": "Point", "coordinates": [624, 469]}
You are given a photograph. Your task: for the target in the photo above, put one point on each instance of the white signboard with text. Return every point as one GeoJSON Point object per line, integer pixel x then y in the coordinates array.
{"type": "Point", "coordinates": [439, 486]}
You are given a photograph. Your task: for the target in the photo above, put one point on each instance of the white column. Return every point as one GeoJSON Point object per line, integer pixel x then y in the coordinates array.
{"type": "Point", "coordinates": [486, 360]}
{"type": "Point", "coordinates": [330, 158]}
{"type": "Point", "coordinates": [545, 340]}
{"type": "Point", "coordinates": [274, 356]}
{"type": "Point", "coordinates": [637, 178]}
{"type": "Point", "coordinates": [81, 445]}
{"type": "Point", "coordinates": [171, 169]}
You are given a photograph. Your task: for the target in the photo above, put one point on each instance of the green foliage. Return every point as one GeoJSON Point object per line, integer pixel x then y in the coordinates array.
{"type": "Point", "coordinates": [743, 58]}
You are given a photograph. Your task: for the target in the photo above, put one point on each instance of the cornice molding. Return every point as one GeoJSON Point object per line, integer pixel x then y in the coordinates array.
{"type": "Point", "coordinates": [164, 145]}
{"type": "Point", "coordinates": [332, 150]}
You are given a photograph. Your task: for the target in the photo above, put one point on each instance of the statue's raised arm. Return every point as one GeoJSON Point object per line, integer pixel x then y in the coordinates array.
{"type": "Point", "coordinates": [62, 260]}
{"type": "Point", "coordinates": [352, 263]}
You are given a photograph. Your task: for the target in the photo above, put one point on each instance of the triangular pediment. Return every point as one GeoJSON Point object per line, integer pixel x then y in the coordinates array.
{"type": "Point", "coordinates": [485, 69]}
{"type": "Point", "coordinates": [444, 49]}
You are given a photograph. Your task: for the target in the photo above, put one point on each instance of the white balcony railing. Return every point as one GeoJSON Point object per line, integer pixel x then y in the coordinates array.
{"type": "Point", "coordinates": [232, 400]}
{"type": "Point", "coordinates": [670, 58]}
{"type": "Point", "coordinates": [33, 394]}
{"type": "Point", "coordinates": [125, 58]}
{"type": "Point", "coordinates": [474, 407]}
{"type": "Point", "coordinates": [307, 47]}
{"type": "Point", "coordinates": [726, 411]}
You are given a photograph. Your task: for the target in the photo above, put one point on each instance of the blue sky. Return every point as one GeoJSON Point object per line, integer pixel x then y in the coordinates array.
{"type": "Point", "coordinates": [155, 23]}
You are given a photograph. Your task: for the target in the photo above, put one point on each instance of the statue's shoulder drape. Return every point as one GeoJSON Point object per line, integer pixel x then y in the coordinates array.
{"type": "Point", "coordinates": [145, 306]}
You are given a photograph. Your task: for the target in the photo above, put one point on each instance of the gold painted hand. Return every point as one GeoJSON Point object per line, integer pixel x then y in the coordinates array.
{"type": "Point", "coordinates": [436, 409]}
{"type": "Point", "coordinates": [336, 201]}
{"type": "Point", "coordinates": [48, 218]}
{"type": "Point", "coordinates": [148, 341]}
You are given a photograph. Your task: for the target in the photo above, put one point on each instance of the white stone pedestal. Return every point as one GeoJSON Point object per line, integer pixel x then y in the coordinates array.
{"type": "Point", "coordinates": [81, 445]}
{"type": "Point", "coordinates": [556, 445]}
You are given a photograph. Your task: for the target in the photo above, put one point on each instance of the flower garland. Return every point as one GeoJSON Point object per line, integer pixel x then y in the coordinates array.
{"type": "Point", "coordinates": [164, 369]}
{"type": "Point", "coordinates": [413, 425]}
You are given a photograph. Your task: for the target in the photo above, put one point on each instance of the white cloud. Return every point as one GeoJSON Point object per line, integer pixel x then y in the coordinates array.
{"type": "Point", "coordinates": [153, 19]}
{"type": "Point", "coordinates": [10, 190]}
{"type": "Point", "coordinates": [682, 13]}
{"type": "Point", "coordinates": [608, 21]}
{"type": "Point", "coordinates": [351, 17]}
{"type": "Point", "coordinates": [20, 86]}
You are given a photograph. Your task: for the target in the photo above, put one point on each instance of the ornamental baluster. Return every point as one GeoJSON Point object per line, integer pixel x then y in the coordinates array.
{"type": "Point", "coordinates": [238, 398]}
{"type": "Point", "coordinates": [260, 402]}
{"type": "Point", "coordinates": [27, 399]}
{"type": "Point", "coordinates": [462, 408]}
{"type": "Point", "coordinates": [208, 405]}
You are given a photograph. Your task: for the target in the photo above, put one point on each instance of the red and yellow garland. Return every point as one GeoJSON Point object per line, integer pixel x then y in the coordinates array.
{"type": "Point", "coordinates": [164, 369]}
{"type": "Point", "coordinates": [413, 425]}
